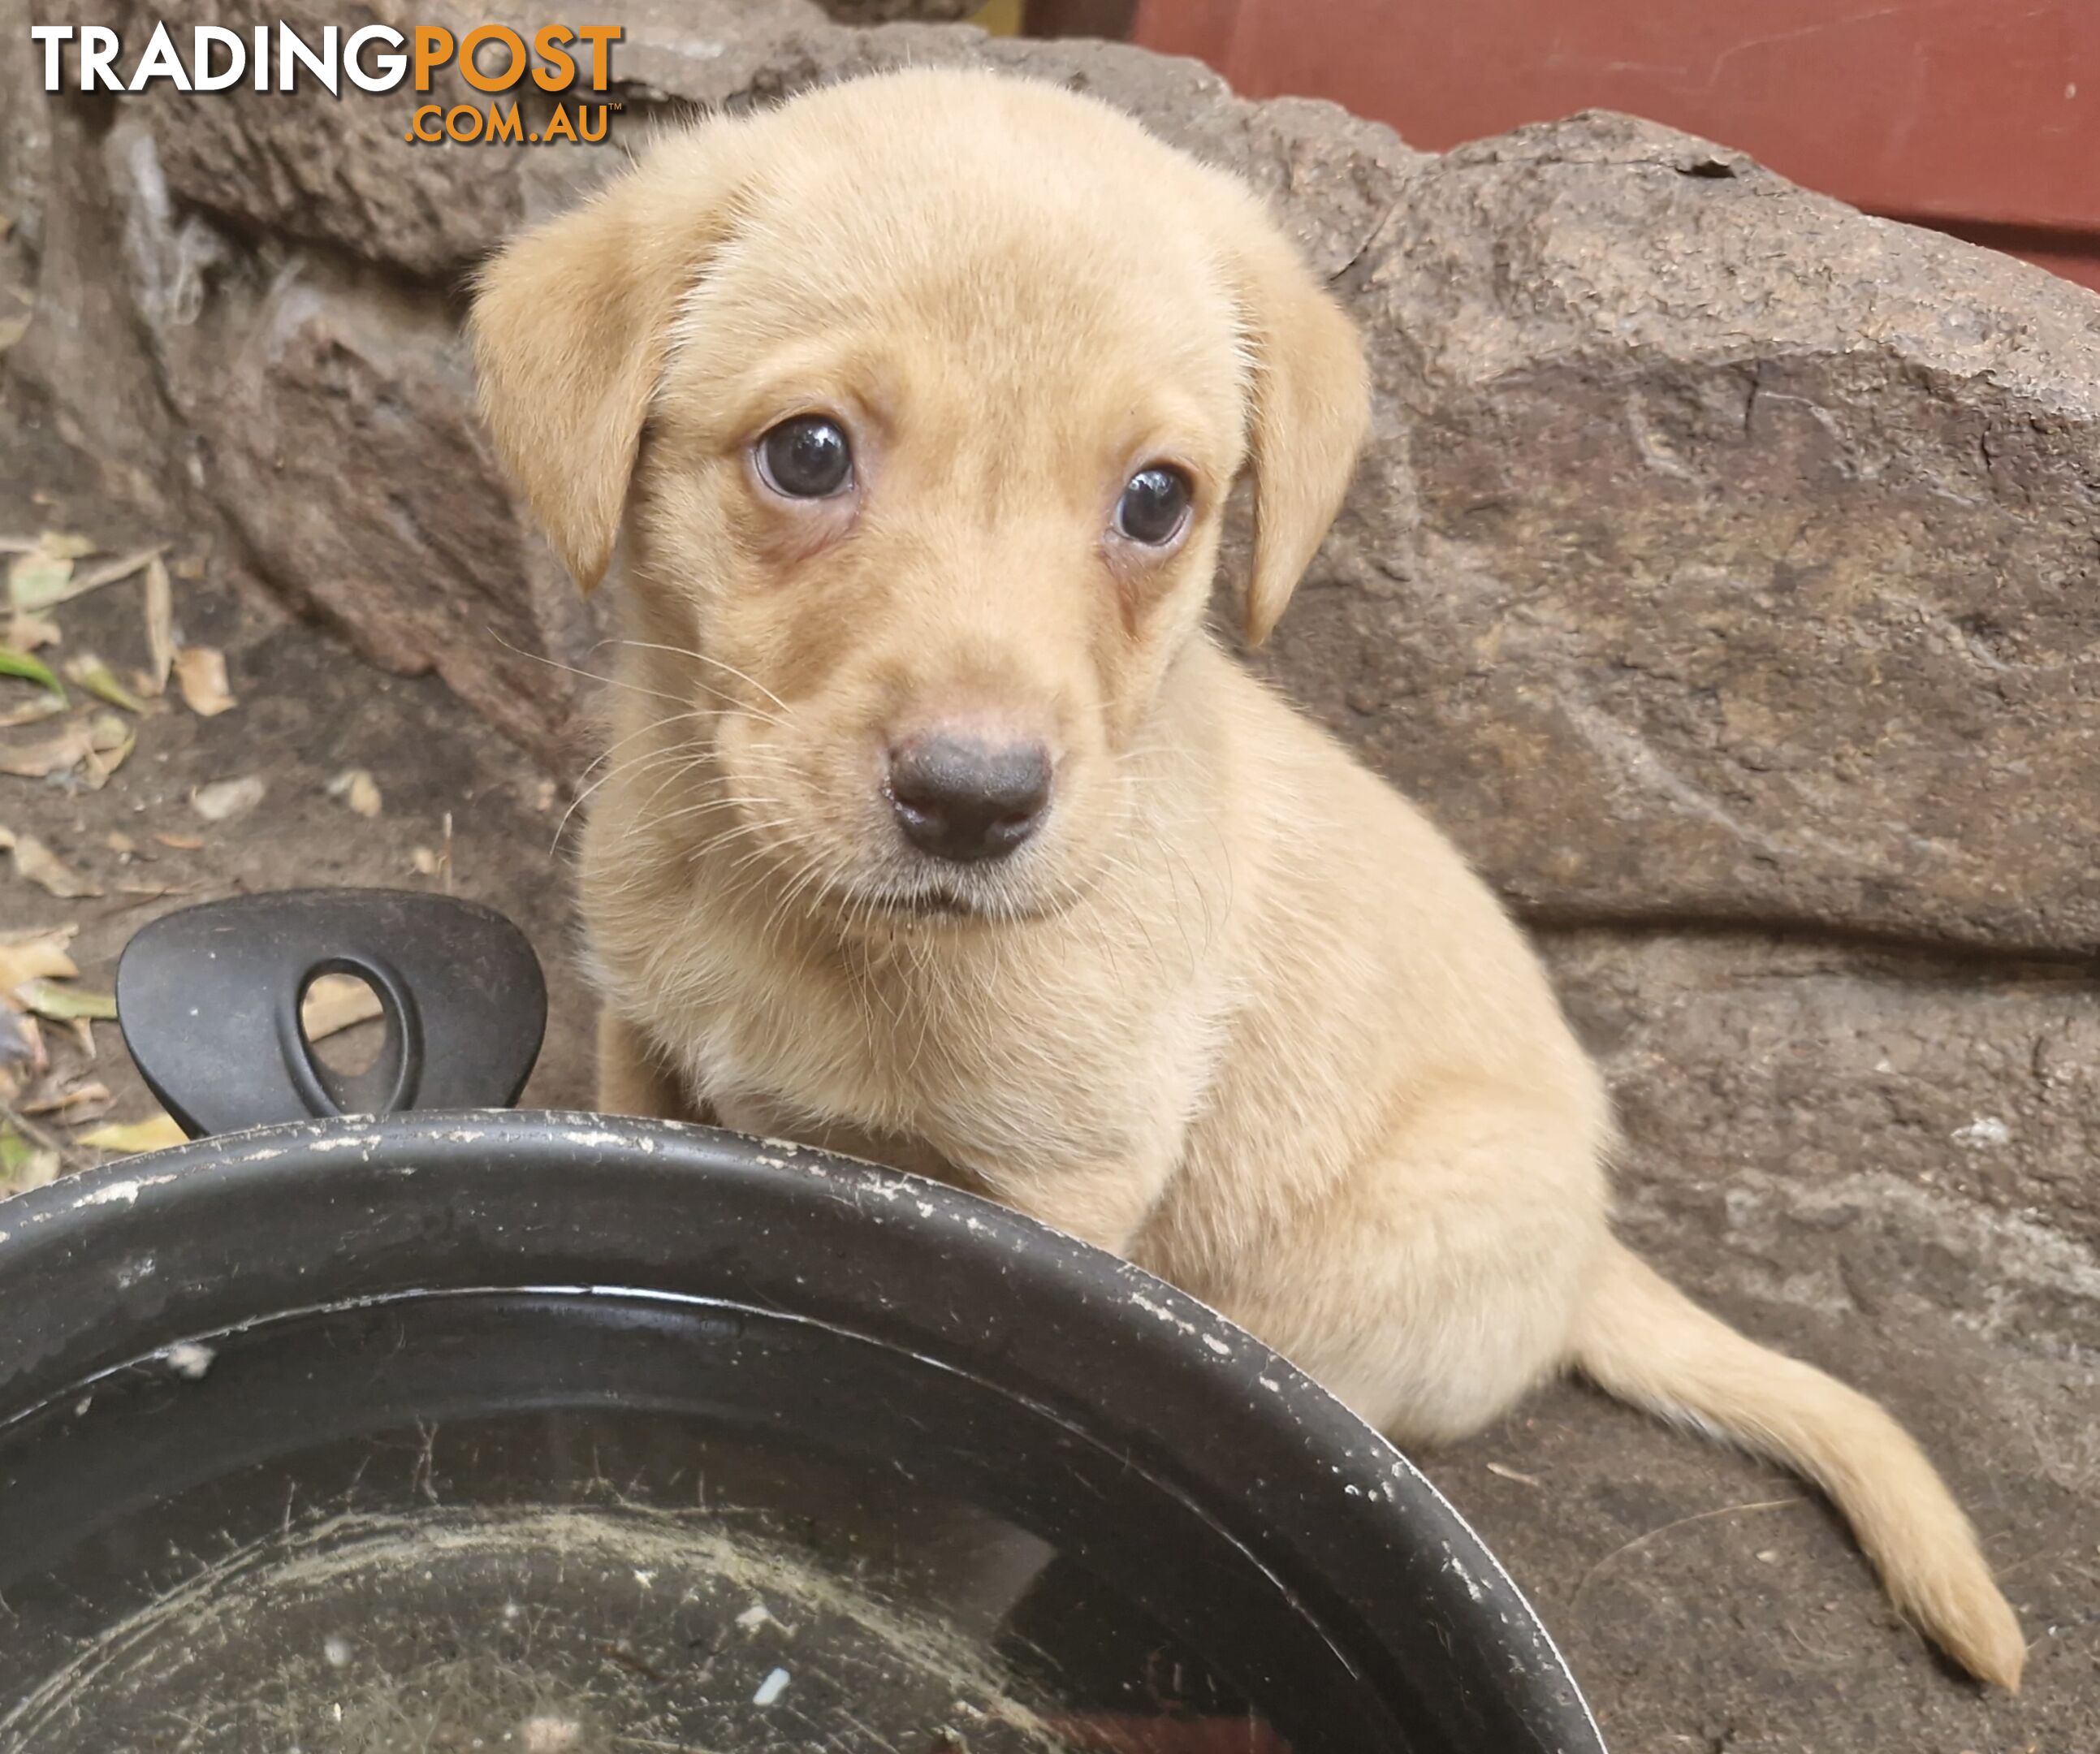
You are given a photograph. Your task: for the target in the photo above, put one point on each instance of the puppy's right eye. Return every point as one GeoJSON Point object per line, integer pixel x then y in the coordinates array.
{"type": "Point", "coordinates": [1155, 505]}
{"type": "Point", "coordinates": [806, 458]}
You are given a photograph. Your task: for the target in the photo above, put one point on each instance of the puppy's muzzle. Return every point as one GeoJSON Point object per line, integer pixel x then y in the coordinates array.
{"type": "Point", "coordinates": [964, 799]}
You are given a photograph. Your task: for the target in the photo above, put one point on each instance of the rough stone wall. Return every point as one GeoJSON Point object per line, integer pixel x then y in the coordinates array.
{"type": "Point", "coordinates": [889, 11]}
{"type": "Point", "coordinates": [1724, 575]}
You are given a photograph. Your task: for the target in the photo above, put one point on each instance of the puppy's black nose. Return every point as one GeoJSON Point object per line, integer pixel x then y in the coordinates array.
{"type": "Point", "coordinates": [960, 798]}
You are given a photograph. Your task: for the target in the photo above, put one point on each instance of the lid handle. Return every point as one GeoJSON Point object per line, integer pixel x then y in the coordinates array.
{"type": "Point", "coordinates": [209, 998]}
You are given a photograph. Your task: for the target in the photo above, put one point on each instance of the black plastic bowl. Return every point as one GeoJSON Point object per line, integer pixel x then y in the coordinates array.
{"type": "Point", "coordinates": [569, 1433]}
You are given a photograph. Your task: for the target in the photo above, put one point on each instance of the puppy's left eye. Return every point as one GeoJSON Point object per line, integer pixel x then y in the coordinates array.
{"type": "Point", "coordinates": [1155, 505]}
{"type": "Point", "coordinates": [806, 458]}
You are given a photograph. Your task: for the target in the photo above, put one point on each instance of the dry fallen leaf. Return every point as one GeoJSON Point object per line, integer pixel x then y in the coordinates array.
{"type": "Point", "coordinates": [160, 626]}
{"type": "Point", "coordinates": [223, 800]}
{"type": "Point", "coordinates": [65, 1102]}
{"type": "Point", "coordinates": [102, 742]}
{"type": "Point", "coordinates": [12, 329]}
{"type": "Point", "coordinates": [44, 575]}
{"type": "Point", "coordinates": [181, 842]}
{"type": "Point", "coordinates": [425, 862]}
{"type": "Point", "coordinates": [40, 866]}
{"type": "Point", "coordinates": [334, 1002]}
{"type": "Point", "coordinates": [153, 892]}
{"type": "Point", "coordinates": [36, 580]}
{"type": "Point", "coordinates": [28, 633]}
{"type": "Point", "coordinates": [110, 741]}
{"type": "Point", "coordinates": [201, 674]}
{"type": "Point", "coordinates": [120, 843]}
{"type": "Point", "coordinates": [54, 755]}
{"type": "Point", "coordinates": [34, 711]}
{"type": "Point", "coordinates": [35, 956]}
{"type": "Point", "coordinates": [97, 678]}
{"type": "Point", "coordinates": [131, 1137]}
{"type": "Point", "coordinates": [356, 787]}
{"type": "Point", "coordinates": [66, 1004]}
{"type": "Point", "coordinates": [114, 571]}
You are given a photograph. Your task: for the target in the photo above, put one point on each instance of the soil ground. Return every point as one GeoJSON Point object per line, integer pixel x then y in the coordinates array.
{"type": "Point", "coordinates": [1707, 1603]}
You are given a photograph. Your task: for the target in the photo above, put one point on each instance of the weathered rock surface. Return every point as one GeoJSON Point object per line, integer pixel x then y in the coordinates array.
{"type": "Point", "coordinates": [1724, 574]}
{"type": "Point", "coordinates": [1723, 553]}
{"type": "Point", "coordinates": [890, 11]}
{"type": "Point", "coordinates": [1818, 1109]}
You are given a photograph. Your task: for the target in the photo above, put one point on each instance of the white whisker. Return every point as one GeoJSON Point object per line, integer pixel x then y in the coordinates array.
{"type": "Point", "coordinates": [684, 651]}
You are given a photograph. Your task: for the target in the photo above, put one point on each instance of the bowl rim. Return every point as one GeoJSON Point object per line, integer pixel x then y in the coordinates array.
{"type": "Point", "coordinates": [113, 1264]}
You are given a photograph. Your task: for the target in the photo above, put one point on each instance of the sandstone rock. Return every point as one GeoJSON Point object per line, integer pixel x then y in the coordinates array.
{"type": "Point", "coordinates": [889, 11]}
{"type": "Point", "coordinates": [87, 333]}
{"type": "Point", "coordinates": [1839, 1120]}
{"type": "Point", "coordinates": [336, 174]}
{"type": "Point", "coordinates": [1722, 554]}
{"type": "Point", "coordinates": [304, 167]}
{"type": "Point", "coordinates": [25, 123]}
{"type": "Point", "coordinates": [335, 424]}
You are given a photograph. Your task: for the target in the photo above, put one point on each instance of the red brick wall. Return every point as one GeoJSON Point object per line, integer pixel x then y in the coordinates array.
{"type": "Point", "coordinates": [1979, 117]}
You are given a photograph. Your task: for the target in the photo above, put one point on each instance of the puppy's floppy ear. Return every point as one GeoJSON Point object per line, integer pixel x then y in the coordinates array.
{"type": "Point", "coordinates": [571, 326]}
{"type": "Point", "coordinates": [1311, 406]}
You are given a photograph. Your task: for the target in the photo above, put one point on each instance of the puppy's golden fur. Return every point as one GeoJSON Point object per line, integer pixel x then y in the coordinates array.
{"type": "Point", "coordinates": [1236, 1010]}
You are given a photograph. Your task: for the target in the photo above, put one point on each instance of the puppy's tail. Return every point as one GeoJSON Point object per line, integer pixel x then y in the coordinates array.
{"type": "Point", "coordinates": [1644, 1341]}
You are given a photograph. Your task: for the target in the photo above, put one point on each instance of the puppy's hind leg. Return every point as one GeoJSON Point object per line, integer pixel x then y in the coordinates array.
{"type": "Point", "coordinates": [1437, 1282]}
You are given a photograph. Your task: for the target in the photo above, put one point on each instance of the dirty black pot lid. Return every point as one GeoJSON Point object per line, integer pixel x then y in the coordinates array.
{"type": "Point", "coordinates": [565, 1433]}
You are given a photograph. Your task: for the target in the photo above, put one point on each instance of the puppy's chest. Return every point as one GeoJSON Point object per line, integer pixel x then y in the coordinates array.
{"type": "Point", "coordinates": [976, 1070]}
